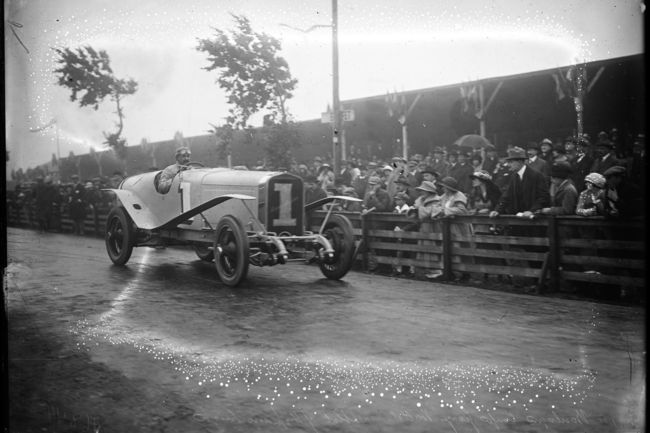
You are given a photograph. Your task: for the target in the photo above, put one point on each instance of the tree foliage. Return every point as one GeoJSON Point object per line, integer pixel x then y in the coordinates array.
{"type": "Point", "coordinates": [88, 75]}
{"type": "Point", "coordinates": [250, 70]}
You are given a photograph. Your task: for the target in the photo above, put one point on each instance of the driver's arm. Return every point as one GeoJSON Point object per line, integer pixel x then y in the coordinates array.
{"type": "Point", "coordinates": [166, 178]}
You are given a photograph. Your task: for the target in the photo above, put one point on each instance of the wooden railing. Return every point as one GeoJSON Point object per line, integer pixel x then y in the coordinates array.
{"type": "Point", "coordinates": [549, 251]}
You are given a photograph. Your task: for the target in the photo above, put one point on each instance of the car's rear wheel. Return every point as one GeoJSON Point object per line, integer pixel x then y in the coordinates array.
{"type": "Point", "coordinates": [231, 251]}
{"type": "Point", "coordinates": [204, 253]}
{"type": "Point", "coordinates": [120, 236]}
{"type": "Point", "coordinates": [338, 232]}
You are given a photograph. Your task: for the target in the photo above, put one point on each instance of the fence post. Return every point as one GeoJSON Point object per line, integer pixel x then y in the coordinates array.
{"type": "Point", "coordinates": [447, 273]}
{"type": "Point", "coordinates": [364, 242]}
{"type": "Point", "coordinates": [554, 253]}
{"type": "Point", "coordinates": [96, 219]}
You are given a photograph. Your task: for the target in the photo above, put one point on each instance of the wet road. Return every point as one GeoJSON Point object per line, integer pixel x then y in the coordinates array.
{"type": "Point", "coordinates": [292, 351]}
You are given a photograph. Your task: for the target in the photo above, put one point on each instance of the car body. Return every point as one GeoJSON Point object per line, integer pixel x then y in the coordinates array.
{"type": "Point", "coordinates": [234, 217]}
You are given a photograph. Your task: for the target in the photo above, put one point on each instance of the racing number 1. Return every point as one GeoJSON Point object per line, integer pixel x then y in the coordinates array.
{"type": "Point", "coordinates": [284, 219]}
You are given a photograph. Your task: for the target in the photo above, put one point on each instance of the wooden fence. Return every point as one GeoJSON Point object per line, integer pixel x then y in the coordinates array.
{"type": "Point", "coordinates": [549, 252]}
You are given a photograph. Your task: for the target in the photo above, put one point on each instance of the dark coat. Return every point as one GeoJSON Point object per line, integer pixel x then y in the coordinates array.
{"type": "Point", "coordinates": [600, 165]}
{"type": "Point", "coordinates": [312, 195]}
{"type": "Point", "coordinates": [461, 173]}
{"type": "Point", "coordinates": [528, 194]}
{"type": "Point", "coordinates": [581, 168]}
{"type": "Point", "coordinates": [565, 198]}
{"type": "Point", "coordinates": [540, 165]}
{"type": "Point", "coordinates": [380, 200]}
{"type": "Point", "coordinates": [78, 202]}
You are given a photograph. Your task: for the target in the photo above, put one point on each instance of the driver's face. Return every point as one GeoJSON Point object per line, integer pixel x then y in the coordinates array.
{"type": "Point", "coordinates": [184, 158]}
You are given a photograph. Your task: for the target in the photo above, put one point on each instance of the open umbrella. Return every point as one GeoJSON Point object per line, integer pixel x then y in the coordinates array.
{"type": "Point", "coordinates": [472, 140]}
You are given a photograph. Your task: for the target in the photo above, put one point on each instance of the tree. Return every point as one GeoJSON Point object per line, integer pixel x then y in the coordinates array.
{"type": "Point", "coordinates": [88, 74]}
{"type": "Point", "coordinates": [250, 70]}
{"type": "Point", "coordinates": [253, 74]}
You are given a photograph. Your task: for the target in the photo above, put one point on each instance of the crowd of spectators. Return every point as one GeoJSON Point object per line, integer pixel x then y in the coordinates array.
{"type": "Point", "coordinates": [47, 201]}
{"type": "Point", "coordinates": [576, 177]}
{"type": "Point", "coordinates": [579, 176]}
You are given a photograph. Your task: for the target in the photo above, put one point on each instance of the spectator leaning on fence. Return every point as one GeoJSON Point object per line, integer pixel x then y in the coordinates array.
{"type": "Point", "coordinates": [376, 197]}
{"type": "Point", "coordinates": [564, 196]}
{"type": "Point", "coordinates": [622, 198]}
{"type": "Point", "coordinates": [485, 195]}
{"type": "Point", "coordinates": [590, 201]}
{"type": "Point", "coordinates": [526, 190]}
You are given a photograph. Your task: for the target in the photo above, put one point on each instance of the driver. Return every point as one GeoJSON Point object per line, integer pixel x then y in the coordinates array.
{"type": "Point", "coordinates": [183, 155]}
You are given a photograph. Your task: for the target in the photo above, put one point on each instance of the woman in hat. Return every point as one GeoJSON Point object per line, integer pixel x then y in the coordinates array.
{"type": "Point", "coordinates": [326, 177]}
{"type": "Point", "coordinates": [428, 207]}
{"type": "Point", "coordinates": [454, 202]}
{"type": "Point", "coordinates": [484, 195]}
{"type": "Point", "coordinates": [590, 201]}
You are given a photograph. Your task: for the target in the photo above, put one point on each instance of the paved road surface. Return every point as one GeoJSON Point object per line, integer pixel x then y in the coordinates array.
{"type": "Point", "coordinates": [161, 345]}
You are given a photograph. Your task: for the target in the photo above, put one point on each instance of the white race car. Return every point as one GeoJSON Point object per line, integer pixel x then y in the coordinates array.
{"type": "Point", "coordinates": [234, 217]}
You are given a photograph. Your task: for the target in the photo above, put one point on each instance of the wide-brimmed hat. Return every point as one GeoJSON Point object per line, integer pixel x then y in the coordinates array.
{"type": "Point", "coordinates": [617, 170]}
{"type": "Point", "coordinates": [430, 170]}
{"type": "Point", "coordinates": [428, 186]}
{"type": "Point", "coordinates": [561, 169]}
{"type": "Point", "coordinates": [374, 180]}
{"type": "Point", "coordinates": [597, 179]}
{"type": "Point", "coordinates": [449, 182]}
{"type": "Point", "coordinates": [516, 153]}
{"type": "Point", "coordinates": [481, 175]}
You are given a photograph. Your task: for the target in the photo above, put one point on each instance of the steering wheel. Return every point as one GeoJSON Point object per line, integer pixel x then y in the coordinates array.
{"type": "Point", "coordinates": [194, 164]}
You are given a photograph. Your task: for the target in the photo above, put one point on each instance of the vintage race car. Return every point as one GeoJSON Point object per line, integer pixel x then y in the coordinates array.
{"type": "Point", "coordinates": [233, 217]}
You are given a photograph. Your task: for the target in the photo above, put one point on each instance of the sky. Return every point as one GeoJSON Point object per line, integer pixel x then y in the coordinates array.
{"type": "Point", "coordinates": [384, 46]}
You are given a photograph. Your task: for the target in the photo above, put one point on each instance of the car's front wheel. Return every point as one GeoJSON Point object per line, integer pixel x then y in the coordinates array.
{"type": "Point", "coordinates": [231, 251]}
{"type": "Point", "coordinates": [338, 232]}
{"type": "Point", "coordinates": [120, 236]}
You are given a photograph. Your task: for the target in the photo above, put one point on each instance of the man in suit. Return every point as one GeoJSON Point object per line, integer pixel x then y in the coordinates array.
{"type": "Point", "coordinates": [526, 191]}
{"type": "Point", "coordinates": [605, 157]}
{"type": "Point", "coordinates": [535, 162]}
{"type": "Point", "coordinates": [438, 163]}
{"type": "Point", "coordinates": [581, 165]}
{"type": "Point", "coordinates": [462, 171]}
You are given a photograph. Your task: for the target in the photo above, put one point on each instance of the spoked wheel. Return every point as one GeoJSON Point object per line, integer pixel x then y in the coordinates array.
{"type": "Point", "coordinates": [338, 232]}
{"type": "Point", "coordinates": [204, 253]}
{"type": "Point", "coordinates": [231, 251]}
{"type": "Point", "coordinates": [120, 237]}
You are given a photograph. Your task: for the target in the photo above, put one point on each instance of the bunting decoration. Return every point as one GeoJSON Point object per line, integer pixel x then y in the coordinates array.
{"type": "Point", "coordinates": [469, 99]}
{"type": "Point", "coordinates": [396, 105]}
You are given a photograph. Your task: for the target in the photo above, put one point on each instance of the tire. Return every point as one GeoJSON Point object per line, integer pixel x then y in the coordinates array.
{"type": "Point", "coordinates": [338, 232]}
{"type": "Point", "coordinates": [204, 253]}
{"type": "Point", "coordinates": [231, 251]}
{"type": "Point", "coordinates": [120, 236]}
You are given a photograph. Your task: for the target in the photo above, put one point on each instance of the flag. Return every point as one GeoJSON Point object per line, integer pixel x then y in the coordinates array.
{"type": "Point", "coordinates": [469, 100]}
{"type": "Point", "coordinates": [41, 128]}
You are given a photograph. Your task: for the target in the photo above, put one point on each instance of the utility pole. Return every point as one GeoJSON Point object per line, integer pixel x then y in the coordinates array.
{"type": "Point", "coordinates": [336, 112]}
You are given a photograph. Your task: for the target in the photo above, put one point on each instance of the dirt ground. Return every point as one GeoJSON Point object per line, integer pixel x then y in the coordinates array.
{"type": "Point", "coordinates": [58, 385]}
